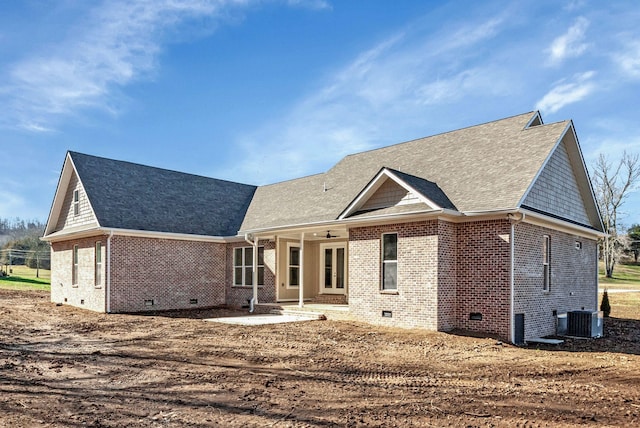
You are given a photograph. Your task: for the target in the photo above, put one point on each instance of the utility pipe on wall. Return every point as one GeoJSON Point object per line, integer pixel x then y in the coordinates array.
{"type": "Point", "coordinates": [108, 290]}
{"type": "Point", "coordinates": [254, 270]}
{"type": "Point", "coordinates": [513, 219]}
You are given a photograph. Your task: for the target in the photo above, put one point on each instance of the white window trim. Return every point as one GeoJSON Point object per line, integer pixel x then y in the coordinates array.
{"type": "Point", "coordinates": [98, 263]}
{"type": "Point", "coordinates": [382, 263]}
{"type": "Point", "coordinates": [243, 266]}
{"type": "Point", "coordinates": [335, 246]}
{"type": "Point", "coordinates": [546, 263]}
{"type": "Point", "coordinates": [75, 264]}
{"type": "Point", "coordinates": [76, 202]}
{"type": "Point", "coordinates": [288, 283]}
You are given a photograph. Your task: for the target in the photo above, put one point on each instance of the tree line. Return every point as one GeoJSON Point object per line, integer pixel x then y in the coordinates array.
{"type": "Point", "coordinates": [20, 243]}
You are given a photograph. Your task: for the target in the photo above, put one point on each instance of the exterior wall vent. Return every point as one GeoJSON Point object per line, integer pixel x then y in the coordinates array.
{"type": "Point", "coordinates": [475, 316]}
{"type": "Point", "coordinates": [193, 301]}
{"type": "Point", "coordinates": [149, 302]}
{"type": "Point", "coordinates": [387, 314]}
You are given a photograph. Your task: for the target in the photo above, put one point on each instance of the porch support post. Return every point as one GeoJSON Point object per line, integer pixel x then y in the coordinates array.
{"type": "Point", "coordinates": [301, 273]}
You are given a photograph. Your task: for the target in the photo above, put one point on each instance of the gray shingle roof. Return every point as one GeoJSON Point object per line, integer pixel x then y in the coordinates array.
{"type": "Point", "coordinates": [131, 196]}
{"type": "Point", "coordinates": [428, 189]}
{"type": "Point", "coordinates": [483, 167]}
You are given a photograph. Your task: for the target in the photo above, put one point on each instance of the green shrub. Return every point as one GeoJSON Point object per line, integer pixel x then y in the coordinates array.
{"type": "Point", "coordinates": [605, 307]}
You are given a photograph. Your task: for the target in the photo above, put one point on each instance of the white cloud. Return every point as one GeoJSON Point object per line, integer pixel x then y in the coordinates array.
{"type": "Point", "coordinates": [389, 88]}
{"type": "Point", "coordinates": [629, 59]}
{"type": "Point", "coordinates": [118, 43]}
{"type": "Point", "coordinates": [565, 93]}
{"type": "Point", "coordinates": [570, 44]}
{"type": "Point", "coordinates": [311, 4]}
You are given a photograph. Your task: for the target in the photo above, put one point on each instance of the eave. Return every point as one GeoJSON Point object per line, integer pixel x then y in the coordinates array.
{"type": "Point", "coordinates": [67, 234]}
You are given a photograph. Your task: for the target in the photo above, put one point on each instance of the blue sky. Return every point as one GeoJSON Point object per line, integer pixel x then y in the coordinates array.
{"type": "Point", "coordinates": [264, 91]}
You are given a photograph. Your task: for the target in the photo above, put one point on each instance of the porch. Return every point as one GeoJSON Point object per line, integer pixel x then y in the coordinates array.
{"type": "Point", "coordinates": [309, 267]}
{"type": "Point", "coordinates": [310, 309]}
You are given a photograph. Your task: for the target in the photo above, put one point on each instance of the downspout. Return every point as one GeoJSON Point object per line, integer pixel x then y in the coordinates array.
{"type": "Point", "coordinates": [108, 290]}
{"type": "Point", "coordinates": [596, 308]}
{"type": "Point", "coordinates": [513, 219]}
{"type": "Point", "coordinates": [254, 276]}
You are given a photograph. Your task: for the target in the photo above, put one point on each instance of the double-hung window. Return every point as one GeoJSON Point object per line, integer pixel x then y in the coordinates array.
{"type": "Point", "coordinates": [76, 202]}
{"type": "Point", "coordinates": [546, 262]}
{"type": "Point", "coordinates": [74, 268]}
{"type": "Point", "coordinates": [98, 264]}
{"type": "Point", "coordinates": [294, 266]}
{"type": "Point", "coordinates": [390, 261]}
{"type": "Point", "coordinates": [243, 266]}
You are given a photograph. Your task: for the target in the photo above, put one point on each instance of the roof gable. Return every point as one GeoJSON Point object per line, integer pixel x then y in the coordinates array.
{"type": "Point", "coordinates": [391, 188]}
{"type": "Point", "coordinates": [562, 188]}
{"type": "Point", "coordinates": [487, 167]}
{"type": "Point", "coordinates": [130, 196]}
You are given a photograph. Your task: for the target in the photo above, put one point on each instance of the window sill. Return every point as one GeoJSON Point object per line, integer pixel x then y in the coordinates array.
{"type": "Point", "coordinates": [74, 285]}
{"type": "Point", "coordinates": [389, 292]}
{"type": "Point", "coordinates": [249, 287]}
{"type": "Point", "coordinates": [98, 287]}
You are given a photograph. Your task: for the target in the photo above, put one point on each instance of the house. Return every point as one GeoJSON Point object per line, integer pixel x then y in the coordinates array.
{"type": "Point", "coordinates": [491, 228]}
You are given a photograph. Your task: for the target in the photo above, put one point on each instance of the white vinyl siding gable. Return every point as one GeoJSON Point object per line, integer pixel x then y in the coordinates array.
{"type": "Point", "coordinates": [75, 214]}
{"type": "Point", "coordinates": [556, 190]}
{"type": "Point", "coordinates": [390, 194]}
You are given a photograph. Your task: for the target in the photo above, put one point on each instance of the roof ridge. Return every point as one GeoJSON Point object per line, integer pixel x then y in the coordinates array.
{"type": "Point", "coordinates": [436, 135]}
{"type": "Point", "coordinates": [72, 153]}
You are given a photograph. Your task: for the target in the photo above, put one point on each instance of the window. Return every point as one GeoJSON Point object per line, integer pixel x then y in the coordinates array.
{"type": "Point", "coordinates": [243, 266]}
{"type": "Point", "coordinates": [98, 269]}
{"type": "Point", "coordinates": [546, 262]}
{"type": "Point", "coordinates": [294, 266]}
{"type": "Point", "coordinates": [390, 261]}
{"type": "Point", "coordinates": [76, 202]}
{"type": "Point", "coordinates": [74, 270]}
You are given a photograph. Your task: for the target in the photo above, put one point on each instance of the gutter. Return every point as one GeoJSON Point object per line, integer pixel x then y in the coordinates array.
{"type": "Point", "coordinates": [63, 234]}
{"type": "Point", "coordinates": [361, 220]}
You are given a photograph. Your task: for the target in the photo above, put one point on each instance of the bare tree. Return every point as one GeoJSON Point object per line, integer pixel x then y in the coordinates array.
{"type": "Point", "coordinates": [611, 185]}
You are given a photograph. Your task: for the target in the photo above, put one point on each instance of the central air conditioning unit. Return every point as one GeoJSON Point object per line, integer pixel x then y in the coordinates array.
{"type": "Point", "coordinates": [584, 324]}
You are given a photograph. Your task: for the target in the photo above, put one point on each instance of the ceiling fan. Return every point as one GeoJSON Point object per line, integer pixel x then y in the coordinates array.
{"type": "Point", "coordinates": [329, 235]}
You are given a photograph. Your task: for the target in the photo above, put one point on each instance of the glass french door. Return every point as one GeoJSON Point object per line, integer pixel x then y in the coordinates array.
{"type": "Point", "coordinates": [333, 268]}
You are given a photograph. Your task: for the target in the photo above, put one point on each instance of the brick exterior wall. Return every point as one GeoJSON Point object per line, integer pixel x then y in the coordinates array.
{"type": "Point", "coordinates": [447, 275]}
{"type": "Point", "coordinates": [446, 272]}
{"type": "Point", "coordinates": [86, 293]}
{"type": "Point", "coordinates": [168, 272]}
{"type": "Point", "coordinates": [484, 276]}
{"type": "Point", "coordinates": [237, 296]}
{"type": "Point", "coordinates": [573, 277]}
{"type": "Point", "coordinates": [415, 302]}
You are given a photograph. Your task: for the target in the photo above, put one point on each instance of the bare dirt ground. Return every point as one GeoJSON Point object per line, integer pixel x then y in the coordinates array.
{"type": "Point", "coordinates": [61, 366]}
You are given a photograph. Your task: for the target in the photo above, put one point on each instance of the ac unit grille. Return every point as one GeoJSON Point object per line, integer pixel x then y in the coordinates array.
{"type": "Point", "coordinates": [584, 324]}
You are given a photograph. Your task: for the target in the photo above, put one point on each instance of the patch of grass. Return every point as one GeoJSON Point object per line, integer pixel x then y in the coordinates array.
{"type": "Point", "coordinates": [24, 278]}
{"type": "Point", "coordinates": [624, 305]}
{"type": "Point", "coordinates": [624, 276]}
